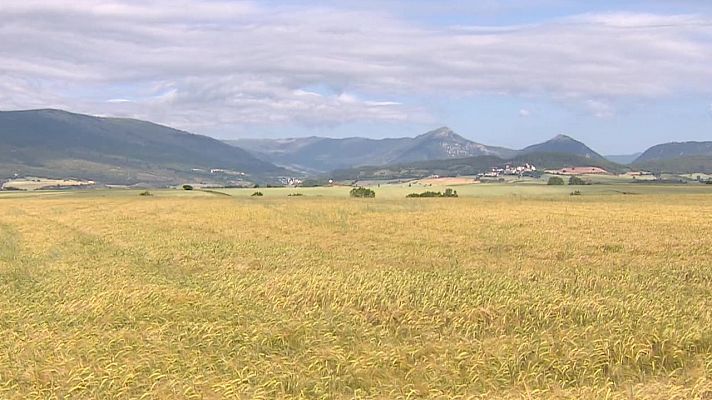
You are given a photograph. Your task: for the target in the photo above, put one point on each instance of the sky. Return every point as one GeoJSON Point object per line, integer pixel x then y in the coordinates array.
{"type": "Point", "coordinates": [618, 75]}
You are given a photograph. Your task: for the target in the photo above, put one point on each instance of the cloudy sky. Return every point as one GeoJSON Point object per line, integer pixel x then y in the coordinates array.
{"type": "Point", "coordinates": [619, 75]}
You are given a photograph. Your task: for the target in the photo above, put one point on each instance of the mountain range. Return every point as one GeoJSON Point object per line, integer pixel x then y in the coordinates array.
{"type": "Point", "coordinates": [441, 152]}
{"type": "Point", "coordinates": [54, 143]}
{"type": "Point", "coordinates": [315, 154]}
{"type": "Point", "coordinates": [60, 144]}
{"type": "Point", "coordinates": [319, 154]}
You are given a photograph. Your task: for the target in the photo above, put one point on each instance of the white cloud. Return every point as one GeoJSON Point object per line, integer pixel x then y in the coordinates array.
{"type": "Point", "coordinates": [599, 109]}
{"type": "Point", "coordinates": [383, 103]}
{"type": "Point", "coordinates": [524, 113]}
{"type": "Point", "coordinates": [226, 63]}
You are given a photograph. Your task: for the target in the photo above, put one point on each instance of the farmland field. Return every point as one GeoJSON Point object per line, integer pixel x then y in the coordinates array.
{"type": "Point", "coordinates": [505, 292]}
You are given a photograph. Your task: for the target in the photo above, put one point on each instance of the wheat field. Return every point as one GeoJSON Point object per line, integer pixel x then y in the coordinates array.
{"type": "Point", "coordinates": [208, 297]}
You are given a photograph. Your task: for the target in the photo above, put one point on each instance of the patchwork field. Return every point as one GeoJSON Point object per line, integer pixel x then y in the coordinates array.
{"type": "Point", "coordinates": [519, 293]}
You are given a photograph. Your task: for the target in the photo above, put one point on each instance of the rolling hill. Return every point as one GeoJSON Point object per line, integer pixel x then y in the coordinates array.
{"type": "Point", "coordinates": [59, 144]}
{"type": "Point", "coordinates": [676, 158]}
{"type": "Point", "coordinates": [472, 166]}
{"type": "Point", "coordinates": [675, 150]}
{"type": "Point", "coordinates": [317, 154]}
{"type": "Point", "coordinates": [681, 165]}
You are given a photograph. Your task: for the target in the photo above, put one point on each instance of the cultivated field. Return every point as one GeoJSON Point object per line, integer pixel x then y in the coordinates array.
{"type": "Point", "coordinates": [516, 292]}
{"type": "Point", "coordinates": [42, 183]}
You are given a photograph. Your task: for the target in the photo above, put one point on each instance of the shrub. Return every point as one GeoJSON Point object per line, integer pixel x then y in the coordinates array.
{"type": "Point", "coordinates": [425, 194]}
{"type": "Point", "coordinates": [146, 193]}
{"type": "Point", "coordinates": [555, 181]}
{"type": "Point", "coordinates": [187, 187]}
{"type": "Point", "coordinates": [362, 192]}
{"type": "Point", "coordinates": [576, 181]}
{"type": "Point", "coordinates": [576, 193]}
{"type": "Point", "coordinates": [257, 194]}
{"type": "Point", "coordinates": [295, 195]}
{"type": "Point", "coordinates": [448, 193]}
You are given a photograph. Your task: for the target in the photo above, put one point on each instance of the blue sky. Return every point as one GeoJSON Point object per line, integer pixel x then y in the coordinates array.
{"type": "Point", "coordinates": [618, 75]}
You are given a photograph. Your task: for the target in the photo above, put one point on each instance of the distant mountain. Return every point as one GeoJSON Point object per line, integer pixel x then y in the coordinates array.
{"type": "Point", "coordinates": [674, 150]}
{"type": "Point", "coordinates": [444, 144]}
{"type": "Point", "coordinates": [680, 165]}
{"type": "Point", "coordinates": [565, 145]}
{"type": "Point", "coordinates": [317, 154]}
{"type": "Point", "coordinates": [53, 143]}
{"type": "Point", "coordinates": [676, 158]}
{"type": "Point", "coordinates": [623, 158]}
{"type": "Point", "coordinates": [472, 166]}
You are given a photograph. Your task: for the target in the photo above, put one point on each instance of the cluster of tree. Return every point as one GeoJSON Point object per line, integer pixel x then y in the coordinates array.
{"type": "Point", "coordinates": [555, 181]}
{"type": "Point", "coordinates": [573, 181]}
{"type": "Point", "coordinates": [362, 192]}
{"type": "Point", "coordinates": [269, 185]}
{"type": "Point", "coordinates": [257, 194]}
{"type": "Point", "coordinates": [448, 193]}
{"type": "Point", "coordinates": [576, 181]}
{"type": "Point", "coordinates": [314, 182]}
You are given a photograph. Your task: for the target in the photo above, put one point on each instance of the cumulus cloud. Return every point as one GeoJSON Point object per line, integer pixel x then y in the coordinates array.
{"type": "Point", "coordinates": [599, 109]}
{"type": "Point", "coordinates": [195, 63]}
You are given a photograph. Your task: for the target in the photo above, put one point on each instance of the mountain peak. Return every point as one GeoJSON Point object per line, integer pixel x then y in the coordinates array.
{"type": "Point", "coordinates": [563, 144]}
{"type": "Point", "coordinates": [563, 138]}
{"type": "Point", "coordinates": [443, 132]}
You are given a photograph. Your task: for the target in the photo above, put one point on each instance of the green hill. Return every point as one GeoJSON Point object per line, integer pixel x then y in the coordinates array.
{"type": "Point", "coordinates": [676, 158]}
{"type": "Point", "coordinates": [59, 144]}
{"type": "Point", "coordinates": [676, 150]}
{"type": "Point", "coordinates": [680, 165]}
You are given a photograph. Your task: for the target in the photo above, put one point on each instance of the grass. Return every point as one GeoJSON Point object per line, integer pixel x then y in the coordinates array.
{"type": "Point", "coordinates": [482, 190]}
{"type": "Point", "coordinates": [516, 295]}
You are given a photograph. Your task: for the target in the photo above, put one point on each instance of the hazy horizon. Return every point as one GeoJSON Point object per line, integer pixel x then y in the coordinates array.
{"type": "Point", "coordinates": [618, 76]}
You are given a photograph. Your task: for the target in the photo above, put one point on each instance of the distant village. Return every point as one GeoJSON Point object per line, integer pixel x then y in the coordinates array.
{"type": "Point", "coordinates": [527, 169]}
{"type": "Point", "coordinates": [520, 170]}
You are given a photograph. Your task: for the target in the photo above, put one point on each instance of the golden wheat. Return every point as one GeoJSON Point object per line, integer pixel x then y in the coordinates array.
{"type": "Point", "coordinates": [213, 297]}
